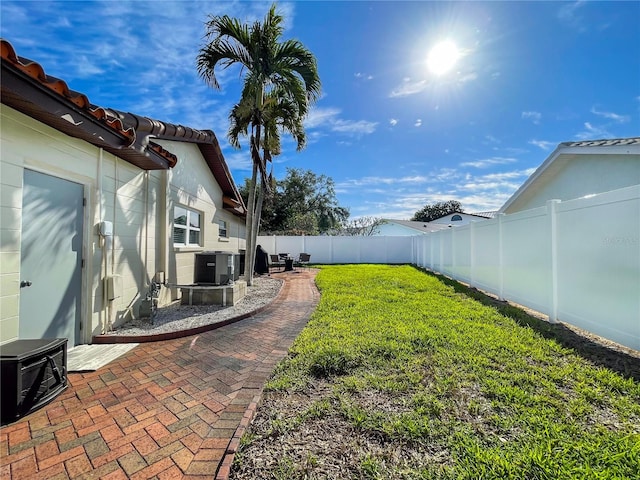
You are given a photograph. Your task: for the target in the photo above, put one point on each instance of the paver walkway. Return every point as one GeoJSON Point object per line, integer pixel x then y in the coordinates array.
{"type": "Point", "coordinates": [165, 410]}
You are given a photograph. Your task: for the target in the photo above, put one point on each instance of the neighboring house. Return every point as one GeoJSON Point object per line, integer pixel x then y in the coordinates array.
{"type": "Point", "coordinates": [391, 228]}
{"type": "Point", "coordinates": [96, 204]}
{"type": "Point", "coordinates": [579, 169]}
{"type": "Point", "coordinates": [458, 218]}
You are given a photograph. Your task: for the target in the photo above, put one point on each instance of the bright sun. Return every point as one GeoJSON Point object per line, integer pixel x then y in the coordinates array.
{"type": "Point", "coordinates": [443, 57]}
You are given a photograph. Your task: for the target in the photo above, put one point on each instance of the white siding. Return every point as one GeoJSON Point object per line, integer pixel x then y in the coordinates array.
{"type": "Point", "coordinates": [194, 186]}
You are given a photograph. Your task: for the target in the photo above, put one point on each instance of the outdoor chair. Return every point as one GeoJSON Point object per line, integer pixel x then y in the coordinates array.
{"type": "Point", "coordinates": [275, 261]}
{"type": "Point", "coordinates": [303, 260]}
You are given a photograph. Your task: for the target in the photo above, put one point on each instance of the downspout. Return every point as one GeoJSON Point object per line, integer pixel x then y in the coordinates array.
{"type": "Point", "coordinates": [102, 319]}
{"type": "Point", "coordinates": [166, 238]}
{"type": "Point", "coordinates": [110, 241]}
{"type": "Point", "coordinates": [146, 278]}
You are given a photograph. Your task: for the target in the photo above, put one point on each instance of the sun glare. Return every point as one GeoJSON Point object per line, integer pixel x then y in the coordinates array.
{"type": "Point", "coordinates": [443, 57]}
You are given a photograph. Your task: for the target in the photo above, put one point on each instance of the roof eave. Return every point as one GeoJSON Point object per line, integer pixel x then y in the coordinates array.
{"type": "Point", "coordinates": [21, 93]}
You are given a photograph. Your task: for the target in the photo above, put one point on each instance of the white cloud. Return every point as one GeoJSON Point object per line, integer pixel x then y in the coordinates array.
{"type": "Point", "coordinates": [569, 15]}
{"type": "Point", "coordinates": [611, 116]}
{"type": "Point", "coordinates": [488, 162]}
{"type": "Point", "coordinates": [533, 116]}
{"type": "Point", "coordinates": [593, 132]}
{"type": "Point", "coordinates": [328, 118]}
{"type": "Point", "coordinates": [393, 122]}
{"type": "Point", "coordinates": [543, 144]}
{"type": "Point", "coordinates": [319, 116]}
{"type": "Point", "coordinates": [354, 127]}
{"type": "Point", "coordinates": [418, 123]}
{"type": "Point", "coordinates": [363, 76]}
{"type": "Point", "coordinates": [368, 181]}
{"type": "Point", "coordinates": [238, 160]}
{"type": "Point", "coordinates": [85, 68]}
{"type": "Point", "coordinates": [407, 87]}
{"type": "Point", "coordinates": [468, 77]}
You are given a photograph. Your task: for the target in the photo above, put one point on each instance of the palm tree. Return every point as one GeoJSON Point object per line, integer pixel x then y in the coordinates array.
{"type": "Point", "coordinates": [280, 84]}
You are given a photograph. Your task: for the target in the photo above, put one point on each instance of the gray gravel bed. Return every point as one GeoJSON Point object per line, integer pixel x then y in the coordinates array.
{"type": "Point", "coordinates": [176, 317]}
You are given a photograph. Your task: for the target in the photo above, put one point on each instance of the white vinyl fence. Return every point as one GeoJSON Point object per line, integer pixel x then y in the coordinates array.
{"type": "Point", "coordinates": [577, 261]}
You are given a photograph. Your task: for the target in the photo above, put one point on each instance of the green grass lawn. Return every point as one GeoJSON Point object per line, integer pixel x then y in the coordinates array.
{"type": "Point", "coordinates": [445, 387]}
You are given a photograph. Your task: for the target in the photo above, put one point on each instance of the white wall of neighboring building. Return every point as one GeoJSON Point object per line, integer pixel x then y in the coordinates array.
{"type": "Point", "coordinates": [572, 176]}
{"type": "Point", "coordinates": [394, 230]}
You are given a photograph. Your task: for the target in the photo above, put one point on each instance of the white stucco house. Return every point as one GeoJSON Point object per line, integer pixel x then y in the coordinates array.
{"type": "Point", "coordinates": [579, 169]}
{"type": "Point", "coordinates": [96, 204]}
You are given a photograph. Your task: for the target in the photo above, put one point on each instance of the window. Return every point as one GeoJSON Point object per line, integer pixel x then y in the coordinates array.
{"type": "Point", "coordinates": [223, 228]}
{"type": "Point", "coordinates": [456, 218]}
{"type": "Point", "coordinates": [186, 227]}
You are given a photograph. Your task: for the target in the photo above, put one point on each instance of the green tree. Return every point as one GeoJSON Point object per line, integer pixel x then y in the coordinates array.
{"type": "Point", "coordinates": [302, 203]}
{"type": "Point", "coordinates": [280, 83]}
{"type": "Point", "coordinates": [362, 226]}
{"type": "Point", "coordinates": [437, 210]}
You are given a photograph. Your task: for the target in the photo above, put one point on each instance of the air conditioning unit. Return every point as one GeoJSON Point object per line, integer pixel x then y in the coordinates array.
{"type": "Point", "coordinates": [215, 268]}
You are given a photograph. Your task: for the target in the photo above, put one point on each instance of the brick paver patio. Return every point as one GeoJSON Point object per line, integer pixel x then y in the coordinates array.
{"type": "Point", "coordinates": [165, 410]}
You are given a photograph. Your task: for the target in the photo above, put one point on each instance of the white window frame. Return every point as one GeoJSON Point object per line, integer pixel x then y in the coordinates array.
{"type": "Point", "coordinates": [188, 228]}
{"type": "Point", "coordinates": [223, 228]}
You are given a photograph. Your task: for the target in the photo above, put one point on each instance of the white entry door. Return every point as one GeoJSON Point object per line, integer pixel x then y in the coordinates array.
{"type": "Point", "coordinates": [51, 258]}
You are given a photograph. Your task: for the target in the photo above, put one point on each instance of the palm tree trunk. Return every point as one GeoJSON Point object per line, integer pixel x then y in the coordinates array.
{"type": "Point", "coordinates": [258, 215]}
{"type": "Point", "coordinates": [250, 254]}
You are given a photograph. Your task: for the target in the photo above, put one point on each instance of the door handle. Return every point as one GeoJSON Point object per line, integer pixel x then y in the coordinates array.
{"type": "Point", "coordinates": [25, 283]}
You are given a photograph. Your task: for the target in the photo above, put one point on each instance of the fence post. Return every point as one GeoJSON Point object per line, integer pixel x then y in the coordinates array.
{"type": "Point", "coordinates": [441, 254]}
{"type": "Point", "coordinates": [472, 252]}
{"type": "Point", "coordinates": [431, 266]}
{"type": "Point", "coordinates": [553, 234]}
{"type": "Point", "coordinates": [500, 259]}
{"type": "Point", "coordinates": [453, 252]}
{"type": "Point", "coordinates": [331, 250]}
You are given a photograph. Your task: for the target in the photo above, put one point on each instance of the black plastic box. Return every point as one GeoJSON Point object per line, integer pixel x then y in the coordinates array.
{"type": "Point", "coordinates": [33, 372]}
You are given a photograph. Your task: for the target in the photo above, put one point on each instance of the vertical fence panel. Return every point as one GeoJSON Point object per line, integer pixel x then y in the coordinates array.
{"type": "Point", "coordinates": [527, 258]}
{"type": "Point", "coordinates": [462, 252]}
{"type": "Point", "coordinates": [268, 243]}
{"type": "Point", "coordinates": [399, 249]}
{"type": "Point", "coordinates": [374, 250]}
{"type": "Point", "coordinates": [486, 269]}
{"type": "Point", "coordinates": [446, 250]}
{"type": "Point", "coordinates": [320, 249]}
{"type": "Point", "coordinates": [599, 265]}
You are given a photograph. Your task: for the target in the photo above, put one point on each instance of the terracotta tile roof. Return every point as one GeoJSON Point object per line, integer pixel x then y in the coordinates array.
{"type": "Point", "coordinates": [27, 88]}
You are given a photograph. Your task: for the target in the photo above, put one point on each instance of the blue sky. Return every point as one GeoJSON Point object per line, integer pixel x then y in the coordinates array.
{"type": "Point", "coordinates": [392, 134]}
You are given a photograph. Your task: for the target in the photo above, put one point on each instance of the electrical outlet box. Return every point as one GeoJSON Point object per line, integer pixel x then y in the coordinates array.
{"type": "Point", "coordinates": [114, 287]}
{"type": "Point", "coordinates": [106, 229]}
